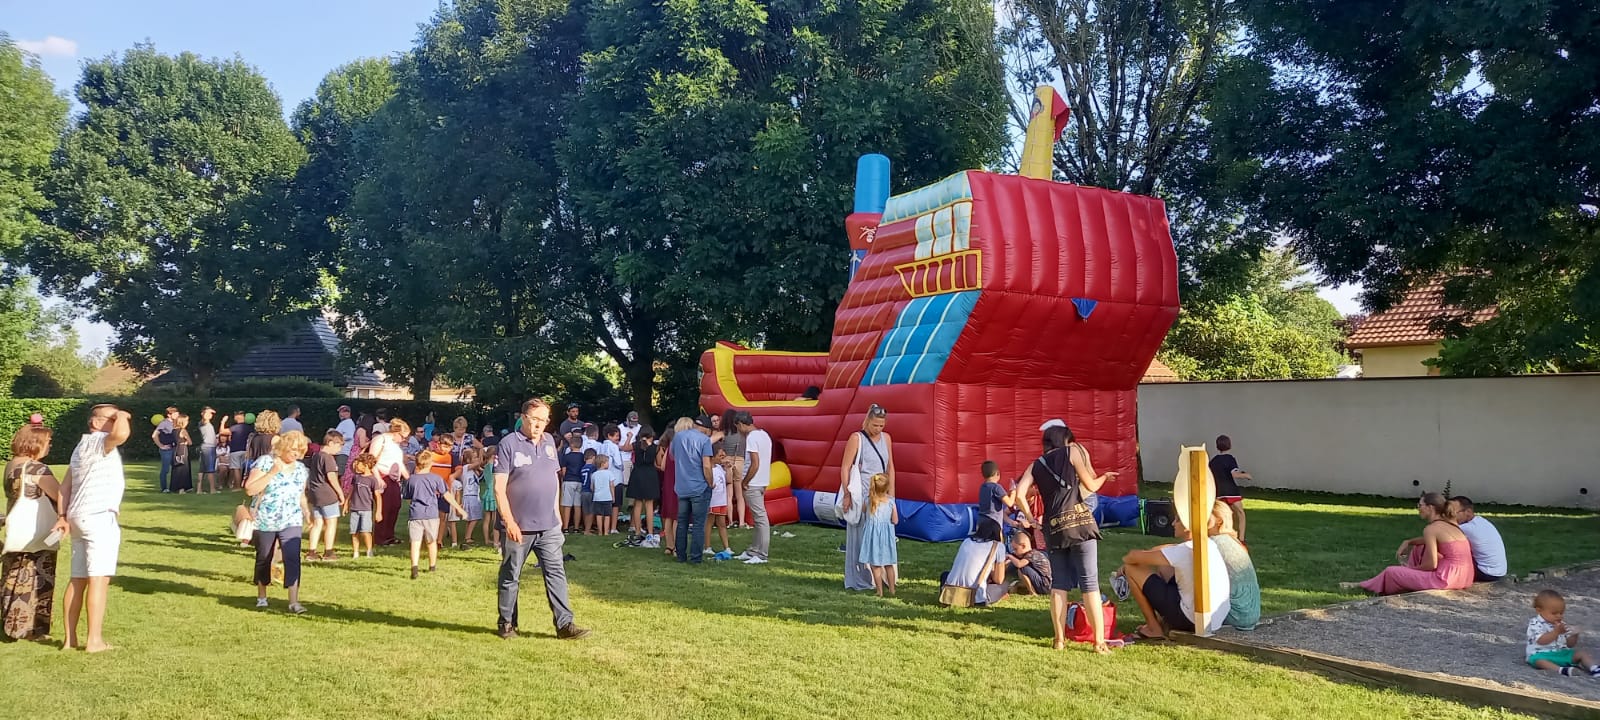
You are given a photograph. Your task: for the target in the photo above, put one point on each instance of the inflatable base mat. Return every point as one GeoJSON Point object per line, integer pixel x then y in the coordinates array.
{"type": "Point", "coordinates": [929, 522]}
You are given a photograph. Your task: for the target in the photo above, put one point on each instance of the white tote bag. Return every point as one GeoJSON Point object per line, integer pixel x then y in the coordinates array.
{"type": "Point", "coordinates": [29, 519]}
{"type": "Point", "coordinates": [857, 488]}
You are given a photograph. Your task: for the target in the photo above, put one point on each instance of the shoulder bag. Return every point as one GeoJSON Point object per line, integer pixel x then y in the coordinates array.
{"type": "Point", "coordinates": [1073, 523]}
{"type": "Point", "coordinates": [29, 519]}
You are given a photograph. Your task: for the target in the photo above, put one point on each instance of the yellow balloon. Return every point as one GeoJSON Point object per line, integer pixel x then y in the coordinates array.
{"type": "Point", "coordinates": [155, 419]}
{"type": "Point", "coordinates": [779, 477]}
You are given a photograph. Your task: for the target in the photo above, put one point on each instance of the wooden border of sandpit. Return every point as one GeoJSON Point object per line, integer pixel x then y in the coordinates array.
{"type": "Point", "coordinates": [1523, 700]}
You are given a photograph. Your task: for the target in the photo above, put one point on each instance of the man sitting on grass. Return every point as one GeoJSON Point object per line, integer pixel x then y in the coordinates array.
{"type": "Point", "coordinates": [1161, 580]}
{"type": "Point", "coordinates": [1488, 550]}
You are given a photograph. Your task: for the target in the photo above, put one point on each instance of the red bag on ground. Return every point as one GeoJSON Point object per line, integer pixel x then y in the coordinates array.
{"type": "Point", "coordinates": [1078, 628]}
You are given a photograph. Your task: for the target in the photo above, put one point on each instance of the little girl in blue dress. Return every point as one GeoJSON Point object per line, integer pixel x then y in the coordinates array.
{"type": "Point", "coordinates": [878, 549]}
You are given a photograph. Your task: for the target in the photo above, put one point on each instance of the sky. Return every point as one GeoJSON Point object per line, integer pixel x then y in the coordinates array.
{"type": "Point", "coordinates": [293, 43]}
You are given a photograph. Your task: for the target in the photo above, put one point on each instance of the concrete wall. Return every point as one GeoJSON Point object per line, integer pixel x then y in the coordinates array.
{"type": "Point", "coordinates": [1531, 440]}
{"type": "Point", "coordinates": [1398, 361]}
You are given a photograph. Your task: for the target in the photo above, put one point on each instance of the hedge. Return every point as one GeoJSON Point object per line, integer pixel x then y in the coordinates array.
{"type": "Point", "coordinates": [69, 417]}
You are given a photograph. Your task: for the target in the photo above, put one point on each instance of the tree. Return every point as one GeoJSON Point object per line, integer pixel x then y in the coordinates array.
{"type": "Point", "coordinates": [30, 127]}
{"type": "Point", "coordinates": [710, 152]}
{"type": "Point", "coordinates": [163, 196]}
{"type": "Point", "coordinates": [327, 125]}
{"type": "Point", "coordinates": [19, 320]}
{"type": "Point", "coordinates": [1275, 328]}
{"type": "Point", "coordinates": [1399, 141]}
{"type": "Point", "coordinates": [1139, 77]}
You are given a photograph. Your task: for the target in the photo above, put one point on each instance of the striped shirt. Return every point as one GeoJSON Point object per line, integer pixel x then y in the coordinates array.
{"type": "Point", "coordinates": [97, 480]}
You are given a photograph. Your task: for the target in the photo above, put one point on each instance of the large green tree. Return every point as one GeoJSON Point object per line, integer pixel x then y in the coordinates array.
{"type": "Point", "coordinates": [19, 321]}
{"type": "Point", "coordinates": [1139, 77]}
{"type": "Point", "coordinates": [710, 154]}
{"type": "Point", "coordinates": [30, 127]}
{"type": "Point", "coordinates": [165, 194]}
{"type": "Point", "coordinates": [1398, 140]}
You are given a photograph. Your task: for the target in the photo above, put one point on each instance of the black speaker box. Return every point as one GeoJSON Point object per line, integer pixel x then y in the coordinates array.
{"type": "Point", "coordinates": [1157, 516]}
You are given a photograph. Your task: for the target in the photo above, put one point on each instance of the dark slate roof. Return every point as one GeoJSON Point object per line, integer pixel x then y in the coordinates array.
{"type": "Point", "coordinates": [310, 352]}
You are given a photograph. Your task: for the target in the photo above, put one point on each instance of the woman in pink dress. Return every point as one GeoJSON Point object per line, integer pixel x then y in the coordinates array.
{"type": "Point", "coordinates": [1439, 560]}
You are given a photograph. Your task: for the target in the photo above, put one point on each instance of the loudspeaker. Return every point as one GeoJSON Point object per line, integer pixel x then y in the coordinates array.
{"type": "Point", "coordinates": [1157, 516]}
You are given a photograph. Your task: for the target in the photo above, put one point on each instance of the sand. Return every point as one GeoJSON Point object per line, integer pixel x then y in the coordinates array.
{"type": "Point", "coordinates": [1475, 635]}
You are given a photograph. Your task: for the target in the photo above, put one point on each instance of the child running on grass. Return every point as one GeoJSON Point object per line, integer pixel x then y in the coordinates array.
{"type": "Point", "coordinates": [426, 490]}
{"type": "Point", "coordinates": [1552, 646]}
{"type": "Point", "coordinates": [878, 550]}
{"type": "Point", "coordinates": [364, 510]}
{"type": "Point", "coordinates": [721, 465]}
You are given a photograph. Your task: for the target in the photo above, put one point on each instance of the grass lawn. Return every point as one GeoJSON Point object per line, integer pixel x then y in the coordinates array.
{"type": "Point", "coordinates": [720, 640]}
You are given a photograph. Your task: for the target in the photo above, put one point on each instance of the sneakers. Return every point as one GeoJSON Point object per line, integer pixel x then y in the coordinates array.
{"type": "Point", "coordinates": [330, 556]}
{"type": "Point", "coordinates": [756, 560]}
{"type": "Point", "coordinates": [261, 602]}
{"type": "Point", "coordinates": [297, 608]}
{"type": "Point", "coordinates": [1119, 586]}
{"type": "Point", "coordinates": [742, 556]}
{"type": "Point", "coordinates": [572, 632]}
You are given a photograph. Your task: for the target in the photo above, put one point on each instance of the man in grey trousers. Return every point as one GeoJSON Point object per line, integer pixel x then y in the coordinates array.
{"type": "Point", "coordinates": [528, 491]}
{"type": "Point", "coordinates": [757, 476]}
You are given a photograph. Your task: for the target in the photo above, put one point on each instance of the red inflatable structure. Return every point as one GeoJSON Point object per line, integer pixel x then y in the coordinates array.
{"type": "Point", "coordinates": [978, 308]}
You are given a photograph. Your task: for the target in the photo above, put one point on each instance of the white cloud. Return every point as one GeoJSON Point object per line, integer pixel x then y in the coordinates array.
{"type": "Point", "coordinates": [51, 46]}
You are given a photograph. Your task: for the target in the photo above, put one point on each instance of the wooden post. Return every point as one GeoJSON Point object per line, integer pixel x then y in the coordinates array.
{"type": "Point", "coordinates": [1199, 523]}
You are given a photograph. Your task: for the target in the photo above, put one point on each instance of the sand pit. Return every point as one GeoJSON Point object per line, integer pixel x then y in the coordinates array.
{"type": "Point", "coordinates": [1475, 635]}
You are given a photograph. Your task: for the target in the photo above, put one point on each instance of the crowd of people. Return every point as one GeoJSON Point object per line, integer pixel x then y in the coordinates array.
{"type": "Point", "coordinates": [528, 487]}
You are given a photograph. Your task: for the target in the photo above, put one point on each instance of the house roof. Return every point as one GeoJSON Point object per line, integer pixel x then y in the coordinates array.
{"type": "Point", "coordinates": [1158, 372]}
{"type": "Point", "coordinates": [310, 351]}
{"type": "Point", "coordinates": [1411, 321]}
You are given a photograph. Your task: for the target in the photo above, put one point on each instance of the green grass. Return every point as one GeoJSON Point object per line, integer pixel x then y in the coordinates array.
{"type": "Point", "coordinates": [720, 640]}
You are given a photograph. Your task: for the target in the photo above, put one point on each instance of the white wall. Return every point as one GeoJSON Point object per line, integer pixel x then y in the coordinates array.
{"type": "Point", "coordinates": [1532, 440]}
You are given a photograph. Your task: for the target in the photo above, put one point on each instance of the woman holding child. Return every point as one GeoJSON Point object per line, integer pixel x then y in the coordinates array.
{"type": "Point", "coordinates": [868, 452]}
{"type": "Point", "coordinates": [390, 470]}
{"type": "Point", "coordinates": [1064, 474]}
{"type": "Point", "coordinates": [1439, 560]}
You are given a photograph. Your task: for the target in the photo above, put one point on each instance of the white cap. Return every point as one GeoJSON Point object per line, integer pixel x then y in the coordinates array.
{"type": "Point", "coordinates": [1052, 422]}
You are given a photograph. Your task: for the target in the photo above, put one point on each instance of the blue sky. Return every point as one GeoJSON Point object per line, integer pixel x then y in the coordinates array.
{"type": "Point", "coordinates": [294, 43]}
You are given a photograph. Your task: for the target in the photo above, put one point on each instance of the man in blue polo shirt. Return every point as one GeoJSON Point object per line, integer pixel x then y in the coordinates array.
{"type": "Point", "coordinates": [528, 491]}
{"type": "Point", "coordinates": [691, 453]}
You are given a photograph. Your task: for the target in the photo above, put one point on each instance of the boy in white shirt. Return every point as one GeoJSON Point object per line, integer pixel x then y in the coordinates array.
{"type": "Point", "coordinates": [721, 465]}
{"type": "Point", "coordinates": [1551, 643]}
{"type": "Point", "coordinates": [604, 482]}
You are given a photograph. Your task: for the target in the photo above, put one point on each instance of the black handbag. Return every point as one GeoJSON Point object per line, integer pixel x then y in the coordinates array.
{"type": "Point", "coordinates": [1073, 522]}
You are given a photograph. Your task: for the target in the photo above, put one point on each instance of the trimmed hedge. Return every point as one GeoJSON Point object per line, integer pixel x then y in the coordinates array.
{"type": "Point", "coordinates": [69, 417]}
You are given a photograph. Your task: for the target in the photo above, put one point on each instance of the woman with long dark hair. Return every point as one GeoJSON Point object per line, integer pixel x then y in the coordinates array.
{"type": "Point", "coordinates": [733, 445]}
{"type": "Point", "coordinates": [1064, 474]}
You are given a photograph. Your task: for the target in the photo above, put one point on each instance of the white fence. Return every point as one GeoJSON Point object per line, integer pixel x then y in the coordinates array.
{"type": "Point", "coordinates": [1531, 440]}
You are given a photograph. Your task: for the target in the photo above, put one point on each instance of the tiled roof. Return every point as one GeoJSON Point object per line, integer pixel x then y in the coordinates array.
{"type": "Point", "coordinates": [1158, 372]}
{"type": "Point", "coordinates": [310, 351]}
{"type": "Point", "coordinates": [1410, 321]}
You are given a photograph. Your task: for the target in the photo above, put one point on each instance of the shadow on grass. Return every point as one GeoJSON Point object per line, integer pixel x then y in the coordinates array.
{"type": "Point", "coordinates": [317, 612]}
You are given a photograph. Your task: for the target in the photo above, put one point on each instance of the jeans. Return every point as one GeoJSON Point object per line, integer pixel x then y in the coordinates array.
{"type": "Point", "coordinates": [288, 540]}
{"type": "Point", "coordinates": [755, 498]}
{"type": "Point", "coordinates": [692, 510]}
{"type": "Point", "coordinates": [166, 468]}
{"type": "Point", "coordinates": [547, 547]}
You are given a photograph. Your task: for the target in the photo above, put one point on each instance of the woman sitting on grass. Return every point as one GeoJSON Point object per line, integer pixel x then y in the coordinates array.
{"type": "Point", "coordinates": [1440, 560]}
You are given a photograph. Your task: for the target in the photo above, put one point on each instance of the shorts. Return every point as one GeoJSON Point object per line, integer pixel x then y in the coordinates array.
{"type": "Point", "coordinates": [360, 521]}
{"type": "Point", "coordinates": [1562, 657]}
{"type": "Point", "coordinates": [424, 530]}
{"type": "Point", "coordinates": [208, 459]}
{"type": "Point", "coordinates": [1167, 601]}
{"type": "Point", "coordinates": [1076, 568]}
{"type": "Point", "coordinates": [236, 460]}
{"type": "Point", "coordinates": [1233, 499]}
{"type": "Point", "coordinates": [569, 493]}
{"type": "Point", "coordinates": [622, 496]}
{"type": "Point", "coordinates": [325, 511]}
{"type": "Point", "coordinates": [719, 510]}
{"type": "Point", "coordinates": [1035, 579]}
{"type": "Point", "coordinates": [599, 507]}
{"type": "Point", "coordinates": [586, 500]}
{"type": "Point", "coordinates": [95, 541]}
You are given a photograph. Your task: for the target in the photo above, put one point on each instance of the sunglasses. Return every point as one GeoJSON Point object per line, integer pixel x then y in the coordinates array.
{"type": "Point", "coordinates": [877, 411]}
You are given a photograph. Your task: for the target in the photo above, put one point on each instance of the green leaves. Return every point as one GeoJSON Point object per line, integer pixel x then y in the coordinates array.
{"type": "Point", "coordinates": [29, 129]}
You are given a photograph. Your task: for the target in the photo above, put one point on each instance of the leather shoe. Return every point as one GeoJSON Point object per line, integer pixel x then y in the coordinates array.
{"type": "Point", "coordinates": [508, 632]}
{"type": "Point", "coordinates": [572, 632]}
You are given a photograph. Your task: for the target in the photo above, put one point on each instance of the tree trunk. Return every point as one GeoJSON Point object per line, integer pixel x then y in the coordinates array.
{"type": "Point", "coordinates": [203, 379]}
{"type": "Point", "coordinates": [422, 381]}
{"type": "Point", "coordinates": [641, 380]}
